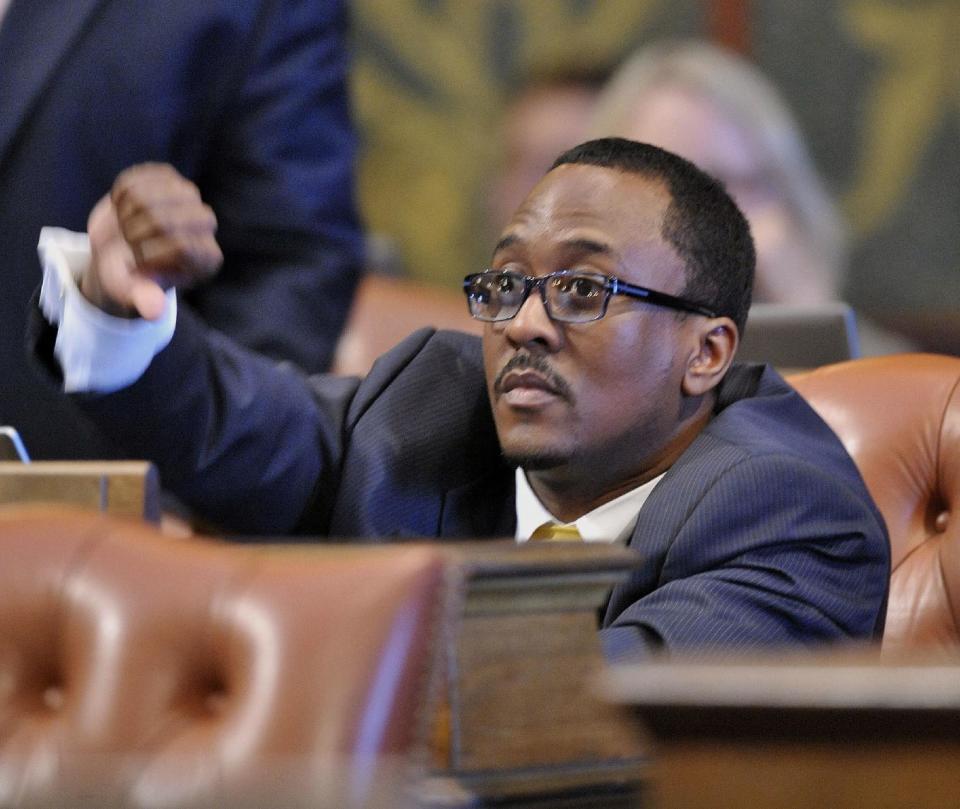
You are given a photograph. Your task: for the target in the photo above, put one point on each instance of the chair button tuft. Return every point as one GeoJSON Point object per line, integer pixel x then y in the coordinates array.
{"type": "Point", "coordinates": [53, 698]}
{"type": "Point", "coordinates": [940, 523]}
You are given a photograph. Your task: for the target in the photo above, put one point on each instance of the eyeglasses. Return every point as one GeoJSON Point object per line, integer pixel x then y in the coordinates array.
{"type": "Point", "coordinates": [569, 296]}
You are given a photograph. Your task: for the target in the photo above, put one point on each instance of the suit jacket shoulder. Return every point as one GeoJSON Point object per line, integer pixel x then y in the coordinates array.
{"type": "Point", "coordinates": [422, 456]}
{"type": "Point", "coordinates": [761, 533]}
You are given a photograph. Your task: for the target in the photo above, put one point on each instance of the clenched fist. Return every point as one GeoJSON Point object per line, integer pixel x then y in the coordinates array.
{"type": "Point", "coordinates": [151, 232]}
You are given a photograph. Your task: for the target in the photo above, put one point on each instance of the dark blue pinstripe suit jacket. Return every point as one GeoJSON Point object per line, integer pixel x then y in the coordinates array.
{"type": "Point", "coordinates": [761, 534]}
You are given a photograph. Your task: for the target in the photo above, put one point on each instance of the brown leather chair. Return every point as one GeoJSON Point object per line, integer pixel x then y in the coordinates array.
{"type": "Point", "coordinates": [140, 671]}
{"type": "Point", "coordinates": [899, 417]}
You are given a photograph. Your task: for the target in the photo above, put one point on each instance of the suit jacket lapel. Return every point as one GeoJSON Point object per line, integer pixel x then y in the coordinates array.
{"type": "Point", "coordinates": [483, 508]}
{"type": "Point", "coordinates": [34, 38]}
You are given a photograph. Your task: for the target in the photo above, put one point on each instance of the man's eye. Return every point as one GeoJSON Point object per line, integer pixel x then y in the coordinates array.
{"type": "Point", "coordinates": [585, 288]}
{"type": "Point", "coordinates": [579, 287]}
{"type": "Point", "coordinates": [505, 284]}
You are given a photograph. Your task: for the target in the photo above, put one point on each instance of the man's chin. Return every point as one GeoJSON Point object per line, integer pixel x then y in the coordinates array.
{"type": "Point", "coordinates": [535, 461]}
{"type": "Point", "coordinates": [534, 449]}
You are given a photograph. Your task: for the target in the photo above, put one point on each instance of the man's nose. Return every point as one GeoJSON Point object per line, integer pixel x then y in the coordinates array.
{"type": "Point", "coordinates": [532, 325]}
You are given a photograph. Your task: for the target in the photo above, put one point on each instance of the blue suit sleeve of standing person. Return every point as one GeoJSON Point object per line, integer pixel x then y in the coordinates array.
{"type": "Point", "coordinates": [279, 174]}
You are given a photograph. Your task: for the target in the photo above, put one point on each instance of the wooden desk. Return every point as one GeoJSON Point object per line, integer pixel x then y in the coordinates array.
{"type": "Point", "coordinates": [525, 726]}
{"type": "Point", "coordinates": [840, 730]}
{"type": "Point", "coordinates": [121, 488]}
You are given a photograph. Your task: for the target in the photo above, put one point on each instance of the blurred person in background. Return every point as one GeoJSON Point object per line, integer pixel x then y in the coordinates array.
{"type": "Point", "coordinates": [550, 113]}
{"type": "Point", "coordinates": [719, 111]}
{"type": "Point", "coordinates": [246, 97]}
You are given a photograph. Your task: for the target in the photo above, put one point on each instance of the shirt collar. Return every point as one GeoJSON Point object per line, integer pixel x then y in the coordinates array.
{"type": "Point", "coordinates": [610, 522]}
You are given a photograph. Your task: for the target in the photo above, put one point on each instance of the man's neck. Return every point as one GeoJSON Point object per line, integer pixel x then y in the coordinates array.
{"type": "Point", "coordinates": [573, 489]}
{"type": "Point", "coordinates": [569, 499]}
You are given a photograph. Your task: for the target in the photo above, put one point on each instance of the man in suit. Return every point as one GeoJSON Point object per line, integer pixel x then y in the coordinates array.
{"type": "Point", "coordinates": [604, 397]}
{"type": "Point", "coordinates": [246, 97]}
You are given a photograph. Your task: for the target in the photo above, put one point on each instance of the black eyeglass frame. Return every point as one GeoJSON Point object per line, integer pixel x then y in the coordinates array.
{"type": "Point", "coordinates": [611, 286]}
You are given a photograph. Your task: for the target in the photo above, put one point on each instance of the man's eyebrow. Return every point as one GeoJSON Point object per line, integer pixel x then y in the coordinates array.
{"type": "Point", "coordinates": [590, 246]}
{"type": "Point", "coordinates": [583, 245]}
{"type": "Point", "coordinates": [507, 241]}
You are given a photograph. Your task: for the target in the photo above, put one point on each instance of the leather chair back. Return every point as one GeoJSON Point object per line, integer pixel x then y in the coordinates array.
{"type": "Point", "coordinates": [899, 418]}
{"type": "Point", "coordinates": [137, 670]}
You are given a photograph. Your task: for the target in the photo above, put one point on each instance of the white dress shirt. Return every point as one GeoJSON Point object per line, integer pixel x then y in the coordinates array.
{"type": "Point", "coordinates": [611, 522]}
{"type": "Point", "coordinates": [96, 351]}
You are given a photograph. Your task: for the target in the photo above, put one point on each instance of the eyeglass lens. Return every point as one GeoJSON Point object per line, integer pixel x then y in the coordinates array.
{"type": "Point", "coordinates": [570, 297]}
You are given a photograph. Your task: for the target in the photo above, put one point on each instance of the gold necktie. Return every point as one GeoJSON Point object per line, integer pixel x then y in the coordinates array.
{"type": "Point", "coordinates": [560, 532]}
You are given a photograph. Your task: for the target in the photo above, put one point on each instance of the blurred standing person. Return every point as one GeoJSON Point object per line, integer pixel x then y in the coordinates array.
{"type": "Point", "coordinates": [246, 97]}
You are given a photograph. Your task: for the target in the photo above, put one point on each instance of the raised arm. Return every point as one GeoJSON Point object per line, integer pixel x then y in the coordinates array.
{"type": "Point", "coordinates": [248, 442]}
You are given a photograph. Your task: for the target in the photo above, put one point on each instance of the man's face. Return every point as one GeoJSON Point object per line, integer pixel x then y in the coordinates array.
{"type": "Point", "coordinates": [599, 399]}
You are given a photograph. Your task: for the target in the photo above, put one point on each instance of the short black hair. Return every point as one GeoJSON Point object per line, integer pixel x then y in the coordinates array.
{"type": "Point", "coordinates": [702, 223]}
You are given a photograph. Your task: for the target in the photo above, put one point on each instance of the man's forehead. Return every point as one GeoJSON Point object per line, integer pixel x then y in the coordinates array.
{"type": "Point", "coordinates": [573, 242]}
{"type": "Point", "coordinates": [577, 202]}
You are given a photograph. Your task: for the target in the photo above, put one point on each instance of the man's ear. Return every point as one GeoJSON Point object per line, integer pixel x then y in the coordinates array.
{"type": "Point", "coordinates": [717, 340]}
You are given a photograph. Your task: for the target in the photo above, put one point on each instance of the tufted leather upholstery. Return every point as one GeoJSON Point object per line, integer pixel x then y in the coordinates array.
{"type": "Point", "coordinates": [141, 671]}
{"type": "Point", "coordinates": [899, 417]}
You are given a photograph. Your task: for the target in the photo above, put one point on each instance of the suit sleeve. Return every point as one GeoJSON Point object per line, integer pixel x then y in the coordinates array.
{"type": "Point", "coordinates": [776, 553]}
{"type": "Point", "coordinates": [249, 444]}
{"type": "Point", "coordinates": [279, 173]}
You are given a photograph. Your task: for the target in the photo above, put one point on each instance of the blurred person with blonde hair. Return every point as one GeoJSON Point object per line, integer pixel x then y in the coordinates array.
{"type": "Point", "coordinates": [718, 111]}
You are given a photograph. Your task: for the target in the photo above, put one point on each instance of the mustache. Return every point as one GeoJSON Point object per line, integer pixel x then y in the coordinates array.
{"type": "Point", "coordinates": [522, 362]}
